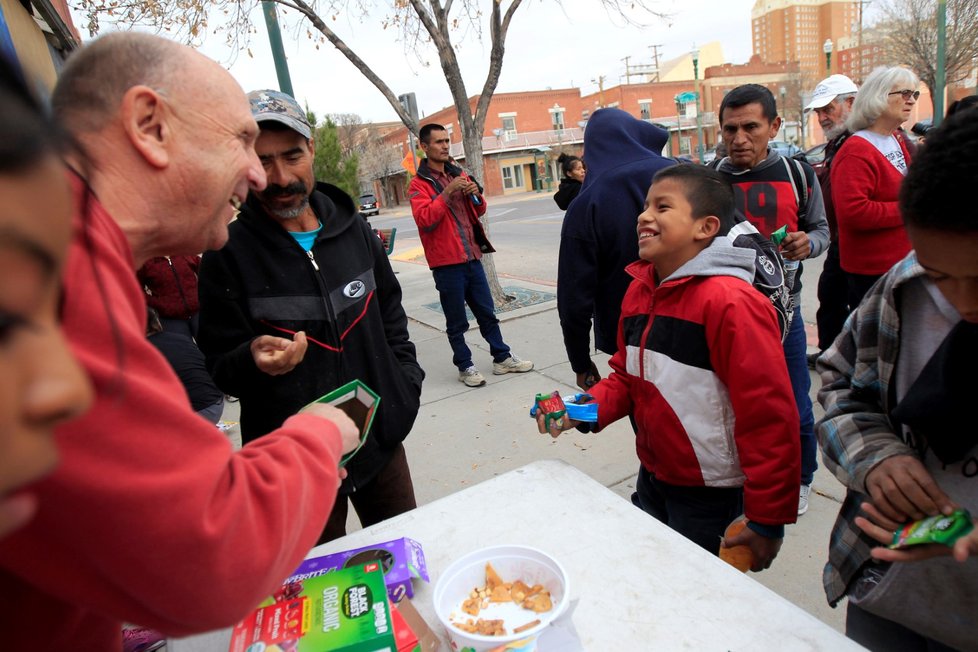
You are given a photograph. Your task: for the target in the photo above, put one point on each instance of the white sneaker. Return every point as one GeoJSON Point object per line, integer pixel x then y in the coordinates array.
{"type": "Point", "coordinates": [512, 364]}
{"type": "Point", "coordinates": [471, 377]}
{"type": "Point", "coordinates": [803, 498]}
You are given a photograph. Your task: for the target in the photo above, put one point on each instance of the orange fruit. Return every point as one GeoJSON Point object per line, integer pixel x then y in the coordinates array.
{"type": "Point", "coordinates": [740, 557]}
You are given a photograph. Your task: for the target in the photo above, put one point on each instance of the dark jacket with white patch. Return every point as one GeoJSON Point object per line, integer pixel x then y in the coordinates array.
{"type": "Point", "coordinates": [346, 299]}
{"type": "Point", "coordinates": [700, 366]}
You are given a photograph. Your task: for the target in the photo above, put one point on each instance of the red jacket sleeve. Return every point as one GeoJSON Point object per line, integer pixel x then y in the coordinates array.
{"type": "Point", "coordinates": [427, 205]}
{"type": "Point", "coordinates": [151, 517]}
{"type": "Point", "coordinates": [746, 352]}
{"type": "Point", "coordinates": [857, 182]}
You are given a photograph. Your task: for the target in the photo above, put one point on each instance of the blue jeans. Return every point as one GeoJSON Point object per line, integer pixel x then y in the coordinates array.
{"type": "Point", "coordinates": [461, 285]}
{"type": "Point", "coordinates": [795, 350]}
{"type": "Point", "coordinates": [700, 514]}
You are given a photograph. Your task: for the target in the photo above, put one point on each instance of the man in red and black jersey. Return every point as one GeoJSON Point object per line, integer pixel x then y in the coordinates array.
{"type": "Point", "coordinates": [773, 191]}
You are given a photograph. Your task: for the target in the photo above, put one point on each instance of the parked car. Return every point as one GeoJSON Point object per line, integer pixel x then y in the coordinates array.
{"type": "Point", "coordinates": [368, 204]}
{"type": "Point", "coordinates": [784, 148]}
{"type": "Point", "coordinates": [815, 155]}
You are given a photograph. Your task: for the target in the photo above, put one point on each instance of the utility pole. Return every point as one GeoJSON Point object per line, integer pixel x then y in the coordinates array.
{"type": "Point", "coordinates": [278, 50]}
{"type": "Point", "coordinates": [600, 82]}
{"type": "Point", "coordinates": [655, 59]}
{"type": "Point", "coordinates": [939, 77]}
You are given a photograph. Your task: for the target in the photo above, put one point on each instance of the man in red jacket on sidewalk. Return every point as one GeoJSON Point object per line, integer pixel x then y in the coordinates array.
{"type": "Point", "coordinates": [446, 205]}
{"type": "Point", "coordinates": [151, 517]}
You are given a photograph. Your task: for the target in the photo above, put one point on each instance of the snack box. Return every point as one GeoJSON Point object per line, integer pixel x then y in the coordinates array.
{"type": "Point", "coordinates": [343, 611]}
{"type": "Point", "coordinates": [360, 404]}
{"type": "Point", "coordinates": [401, 560]}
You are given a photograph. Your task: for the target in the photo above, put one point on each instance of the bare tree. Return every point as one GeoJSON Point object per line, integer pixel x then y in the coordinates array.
{"type": "Point", "coordinates": [910, 28]}
{"type": "Point", "coordinates": [349, 129]}
{"type": "Point", "coordinates": [421, 23]}
{"type": "Point", "coordinates": [380, 161]}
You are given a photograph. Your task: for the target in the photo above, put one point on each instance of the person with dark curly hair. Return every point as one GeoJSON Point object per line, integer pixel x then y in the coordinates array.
{"type": "Point", "coordinates": [898, 432]}
{"type": "Point", "coordinates": [41, 384]}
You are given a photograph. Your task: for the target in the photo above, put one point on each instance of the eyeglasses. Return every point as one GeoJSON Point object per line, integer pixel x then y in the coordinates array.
{"type": "Point", "coordinates": [906, 93]}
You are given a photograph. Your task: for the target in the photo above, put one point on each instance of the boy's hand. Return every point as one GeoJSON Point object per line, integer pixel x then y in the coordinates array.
{"type": "Point", "coordinates": [554, 427]}
{"type": "Point", "coordinates": [796, 246]}
{"type": "Point", "coordinates": [881, 529]}
{"type": "Point", "coordinates": [763, 548]}
{"type": "Point", "coordinates": [902, 490]}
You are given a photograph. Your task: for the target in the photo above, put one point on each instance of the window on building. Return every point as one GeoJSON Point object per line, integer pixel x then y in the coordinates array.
{"type": "Point", "coordinates": [509, 125]}
{"type": "Point", "coordinates": [512, 177]}
{"type": "Point", "coordinates": [686, 145]}
{"type": "Point", "coordinates": [645, 109]}
{"type": "Point", "coordinates": [557, 119]}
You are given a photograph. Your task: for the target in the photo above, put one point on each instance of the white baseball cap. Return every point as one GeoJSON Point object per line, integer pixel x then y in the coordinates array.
{"type": "Point", "coordinates": [830, 88]}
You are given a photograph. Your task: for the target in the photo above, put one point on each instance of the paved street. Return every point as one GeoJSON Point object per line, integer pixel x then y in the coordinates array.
{"type": "Point", "coordinates": [463, 436]}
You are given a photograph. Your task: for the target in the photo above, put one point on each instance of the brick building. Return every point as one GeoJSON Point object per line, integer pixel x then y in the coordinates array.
{"type": "Point", "coordinates": [797, 30]}
{"type": "Point", "coordinates": [525, 132]}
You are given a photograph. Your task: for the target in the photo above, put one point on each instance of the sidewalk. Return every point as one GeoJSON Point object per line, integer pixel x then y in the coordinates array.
{"type": "Point", "coordinates": [464, 435]}
{"type": "Point", "coordinates": [487, 430]}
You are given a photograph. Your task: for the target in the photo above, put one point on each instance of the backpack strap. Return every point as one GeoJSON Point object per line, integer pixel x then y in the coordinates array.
{"type": "Point", "coordinates": [799, 184]}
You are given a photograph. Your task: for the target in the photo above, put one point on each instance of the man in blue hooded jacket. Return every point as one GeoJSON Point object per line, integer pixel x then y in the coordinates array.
{"type": "Point", "coordinates": [598, 239]}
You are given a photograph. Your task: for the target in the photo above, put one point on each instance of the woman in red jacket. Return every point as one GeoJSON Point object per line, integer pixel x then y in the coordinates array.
{"type": "Point", "coordinates": [866, 177]}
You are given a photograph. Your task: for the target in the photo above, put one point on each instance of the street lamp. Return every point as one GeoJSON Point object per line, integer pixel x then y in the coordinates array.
{"type": "Point", "coordinates": [699, 127]}
{"type": "Point", "coordinates": [827, 49]}
{"type": "Point", "coordinates": [679, 126]}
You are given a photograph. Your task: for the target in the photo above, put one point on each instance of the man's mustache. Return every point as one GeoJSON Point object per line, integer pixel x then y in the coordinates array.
{"type": "Point", "coordinates": [297, 188]}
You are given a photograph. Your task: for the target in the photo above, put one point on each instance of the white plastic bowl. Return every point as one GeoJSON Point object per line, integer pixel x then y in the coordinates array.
{"type": "Point", "coordinates": [513, 563]}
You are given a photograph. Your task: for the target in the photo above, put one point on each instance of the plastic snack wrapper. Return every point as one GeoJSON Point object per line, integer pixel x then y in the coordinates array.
{"type": "Point", "coordinates": [934, 529]}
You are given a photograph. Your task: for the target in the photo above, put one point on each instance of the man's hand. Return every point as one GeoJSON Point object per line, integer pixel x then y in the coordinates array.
{"type": "Point", "coordinates": [276, 355]}
{"type": "Point", "coordinates": [554, 427]}
{"type": "Point", "coordinates": [764, 549]}
{"type": "Point", "coordinates": [796, 246]}
{"type": "Point", "coordinates": [902, 490]}
{"type": "Point", "coordinates": [881, 529]}
{"type": "Point", "coordinates": [588, 379]}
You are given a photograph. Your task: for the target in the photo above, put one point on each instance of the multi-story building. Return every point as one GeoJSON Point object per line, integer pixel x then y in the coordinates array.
{"type": "Point", "coordinates": [799, 30]}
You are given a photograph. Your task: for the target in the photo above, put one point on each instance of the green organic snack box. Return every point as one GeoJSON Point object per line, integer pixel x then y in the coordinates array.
{"type": "Point", "coordinates": [342, 611]}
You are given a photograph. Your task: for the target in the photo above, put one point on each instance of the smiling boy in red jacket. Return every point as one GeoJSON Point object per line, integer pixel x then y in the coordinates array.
{"type": "Point", "coordinates": [700, 367]}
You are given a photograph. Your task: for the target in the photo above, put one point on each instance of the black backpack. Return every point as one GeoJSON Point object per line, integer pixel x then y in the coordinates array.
{"type": "Point", "coordinates": [769, 276]}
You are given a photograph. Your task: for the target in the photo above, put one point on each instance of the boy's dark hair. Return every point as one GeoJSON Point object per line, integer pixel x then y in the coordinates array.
{"type": "Point", "coordinates": [751, 94]}
{"type": "Point", "coordinates": [707, 192]}
{"type": "Point", "coordinates": [27, 132]}
{"type": "Point", "coordinates": [936, 194]}
{"type": "Point", "coordinates": [968, 102]}
{"type": "Point", "coordinates": [425, 134]}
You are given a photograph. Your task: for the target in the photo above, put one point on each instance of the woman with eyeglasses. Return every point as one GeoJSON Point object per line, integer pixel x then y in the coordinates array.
{"type": "Point", "coordinates": [866, 177]}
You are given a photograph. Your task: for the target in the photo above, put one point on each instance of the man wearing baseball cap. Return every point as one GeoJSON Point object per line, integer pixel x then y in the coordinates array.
{"type": "Point", "coordinates": [831, 101]}
{"type": "Point", "coordinates": [302, 300]}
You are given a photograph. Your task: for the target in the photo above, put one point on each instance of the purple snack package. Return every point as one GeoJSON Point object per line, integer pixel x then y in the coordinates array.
{"type": "Point", "coordinates": [401, 560]}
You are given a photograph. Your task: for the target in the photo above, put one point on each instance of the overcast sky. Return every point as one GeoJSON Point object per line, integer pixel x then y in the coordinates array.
{"type": "Point", "coordinates": [549, 45]}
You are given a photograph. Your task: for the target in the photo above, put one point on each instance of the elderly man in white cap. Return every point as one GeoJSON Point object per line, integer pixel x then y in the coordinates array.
{"type": "Point", "coordinates": [831, 101]}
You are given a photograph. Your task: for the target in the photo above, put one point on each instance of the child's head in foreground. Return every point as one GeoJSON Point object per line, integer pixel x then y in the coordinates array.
{"type": "Point", "coordinates": [687, 206]}
{"type": "Point", "coordinates": [937, 204]}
